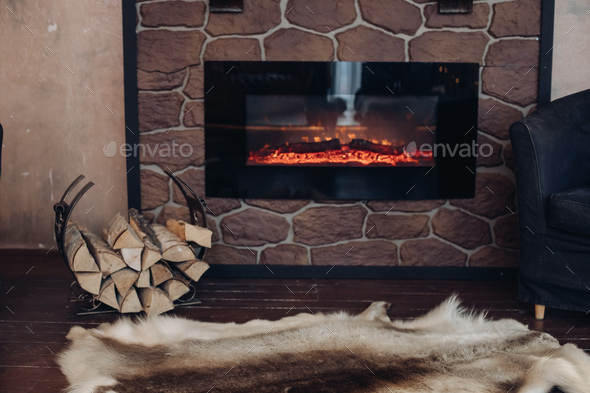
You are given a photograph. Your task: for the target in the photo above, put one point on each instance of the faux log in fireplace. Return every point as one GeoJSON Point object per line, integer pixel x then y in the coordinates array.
{"type": "Point", "coordinates": [340, 130]}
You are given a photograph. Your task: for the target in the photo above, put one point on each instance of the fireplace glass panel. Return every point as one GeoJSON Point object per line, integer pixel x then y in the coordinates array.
{"type": "Point", "coordinates": [343, 129]}
{"type": "Point", "coordinates": [339, 130]}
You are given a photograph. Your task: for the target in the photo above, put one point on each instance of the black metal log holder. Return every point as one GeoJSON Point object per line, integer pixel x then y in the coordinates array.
{"type": "Point", "coordinates": [89, 303]}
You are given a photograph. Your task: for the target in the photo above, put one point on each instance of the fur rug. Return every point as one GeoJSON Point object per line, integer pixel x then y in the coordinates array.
{"type": "Point", "coordinates": [447, 350]}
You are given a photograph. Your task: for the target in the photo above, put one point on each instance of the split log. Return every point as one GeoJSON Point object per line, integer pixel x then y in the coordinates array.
{"type": "Point", "coordinates": [130, 302]}
{"type": "Point", "coordinates": [192, 269]}
{"type": "Point", "coordinates": [176, 286]}
{"type": "Point", "coordinates": [176, 228]}
{"type": "Point", "coordinates": [119, 234]}
{"type": "Point", "coordinates": [160, 273]}
{"type": "Point", "coordinates": [108, 260]}
{"type": "Point", "coordinates": [142, 227]}
{"type": "Point", "coordinates": [79, 257]}
{"type": "Point", "coordinates": [154, 301]}
{"type": "Point", "coordinates": [362, 144]}
{"type": "Point", "coordinates": [189, 232]}
{"type": "Point", "coordinates": [151, 252]}
{"type": "Point", "coordinates": [125, 279]}
{"type": "Point", "coordinates": [132, 257]}
{"type": "Point", "coordinates": [107, 294]}
{"type": "Point", "coordinates": [173, 248]}
{"type": "Point", "coordinates": [310, 147]}
{"type": "Point", "coordinates": [89, 281]}
{"type": "Point", "coordinates": [149, 256]}
{"type": "Point", "coordinates": [144, 279]}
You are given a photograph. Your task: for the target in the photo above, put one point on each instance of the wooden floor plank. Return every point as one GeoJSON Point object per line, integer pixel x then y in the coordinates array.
{"type": "Point", "coordinates": [35, 314]}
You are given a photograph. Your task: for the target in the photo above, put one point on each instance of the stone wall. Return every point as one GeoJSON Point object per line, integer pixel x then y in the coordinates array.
{"type": "Point", "coordinates": [174, 37]}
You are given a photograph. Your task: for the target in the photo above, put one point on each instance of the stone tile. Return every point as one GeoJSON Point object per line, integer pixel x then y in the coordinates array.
{"type": "Point", "coordinates": [517, 85]}
{"type": "Point", "coordinates": [226, 255]}
{"type": "Point", "coordinates": [515, 53]}
{"type": "Point", "coordinates": [430, 252]}
{"type": "Point", "coordinates": [233, 49]}
{"type": "Point", "coordinates": [494, 257]}
{"type": "Point", "coordinates": [496, 117]}
{"type": "Point", "coordinates": [284, 254]}
{"type": "Point", "coordinates": [258, 17]}
{"type": "Point", "coordinates": [168, 51]}
{"type": "Point", "coordinates": [449, 46]}
{"type": "Point", "coordinates": [397, 16]}
{"type": "Point", "coordinates": [507, 232]}
{"type": "Point", "coordinates": [195, 179]}
{"type": "Point", "coordinates": [174, 150]}
{"type": "Point", "coordinates": [489, 152]}
{"type": "Point", "coordinates": [320, 15]}
{"type": "Point", "coordinates": [397, 226]}
{"type": "Point", "coordinates": [253, 227]}
{"type": "Point", "coordinates": [363, 253]}
{"type": "Point", "coordinates": [278, 205]}
{"type": "Point", "coordinates": [478, 19]}
{"type": "Point", "coordinates": [494, 195]}
{"type": "Point", "coordinates": [195, 83]}
{"type": "Point", "coordinates": [173, 13]}
{"type": "Point", "coordinates": [194, 114]}
{"type": "Point", "coordinates": [218, 206]}
{"type": "Point", "coordinates": [213, 228]}
{"type": "Point", "coordinates": [159, 80]}
{"type": "Point", "coordinates": [405, 206]}
{"type": "Point", "coordinates": [158, 110]}
{"type": "Point", "coordinates": [154, 189]}
{"type": "Point", "coordinates": [328, 224]}
{"type": "Point", "coordinates": [173, 212]}
{"type": "Point", "coordinates": [461, 228]}
{"type": "Point", "coordinates": [362, 43]}
{"type": "Point", "coordinates": [516, 18]}
{"type": "Point", "coordinates": [294, 45]}
{"type": "Point", "coordinates": [335, 201]}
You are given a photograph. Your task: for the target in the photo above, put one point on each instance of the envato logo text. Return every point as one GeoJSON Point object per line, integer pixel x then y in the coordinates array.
{"type": "Point", "coordinates": [451, 150]}
{"type": "Point", "coordinates": [163, 150]}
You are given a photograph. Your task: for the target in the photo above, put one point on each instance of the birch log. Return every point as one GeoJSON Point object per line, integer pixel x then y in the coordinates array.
{"type": "Point", "coordinates": [79, 258]}
{"type": "Point", "coordinates": [173, 248]}
{"type": "Point", "coordinates": [190, 233]}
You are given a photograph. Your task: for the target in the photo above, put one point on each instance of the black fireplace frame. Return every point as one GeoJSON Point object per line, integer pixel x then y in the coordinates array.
{"type": "Point", "coordinates": [227, 83]}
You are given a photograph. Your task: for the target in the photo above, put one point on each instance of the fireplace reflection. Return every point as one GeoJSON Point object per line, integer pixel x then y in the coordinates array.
{"type": "Point", "coordinates": [342, 129]}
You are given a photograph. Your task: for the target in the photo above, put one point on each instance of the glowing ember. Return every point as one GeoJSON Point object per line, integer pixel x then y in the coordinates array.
{"type": "Point", "coordinates": [358, 152]}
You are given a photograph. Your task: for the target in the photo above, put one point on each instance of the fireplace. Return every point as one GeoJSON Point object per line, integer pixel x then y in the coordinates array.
{"type": "Point", "coordinates": [340, 130]}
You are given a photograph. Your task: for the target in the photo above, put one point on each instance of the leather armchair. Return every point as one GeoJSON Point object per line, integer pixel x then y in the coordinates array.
{"type": "Point", "coordinates": [552, 154]}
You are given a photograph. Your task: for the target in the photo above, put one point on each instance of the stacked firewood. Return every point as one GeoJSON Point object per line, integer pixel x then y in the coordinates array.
{"type": "Point", "coordinates": [137, 266]}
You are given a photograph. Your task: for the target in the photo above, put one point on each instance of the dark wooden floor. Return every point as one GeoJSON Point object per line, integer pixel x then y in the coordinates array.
{"type": "Point", "coordinates": [35, 314]}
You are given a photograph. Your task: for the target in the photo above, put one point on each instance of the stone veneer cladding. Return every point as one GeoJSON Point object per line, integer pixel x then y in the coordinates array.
{"type": "Point", "coordinates": [174, 37]}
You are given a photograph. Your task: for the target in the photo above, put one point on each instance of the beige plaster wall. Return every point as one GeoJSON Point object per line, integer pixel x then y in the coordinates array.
{"type": "Point", "coordinates": [61, 67]}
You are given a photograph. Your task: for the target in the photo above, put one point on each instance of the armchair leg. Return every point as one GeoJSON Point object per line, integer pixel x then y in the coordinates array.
{"type": "Point", "coordinates": [539, 311]}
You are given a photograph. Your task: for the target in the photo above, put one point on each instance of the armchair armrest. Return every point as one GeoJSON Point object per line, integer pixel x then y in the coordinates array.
{"type": "Point", "coordinates": [552, 152]}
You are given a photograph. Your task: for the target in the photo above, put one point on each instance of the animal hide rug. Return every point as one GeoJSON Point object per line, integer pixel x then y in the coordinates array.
{"type": "Point", "coordinates": [447, 350]}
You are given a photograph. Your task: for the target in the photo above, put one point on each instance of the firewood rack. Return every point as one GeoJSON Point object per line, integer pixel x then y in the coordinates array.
{"type": "Point", "coordinates": [89, 303]}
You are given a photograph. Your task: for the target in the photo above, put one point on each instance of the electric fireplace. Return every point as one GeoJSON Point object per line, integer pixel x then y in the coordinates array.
{"type": "Point", "coordinates": [340, 130]}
